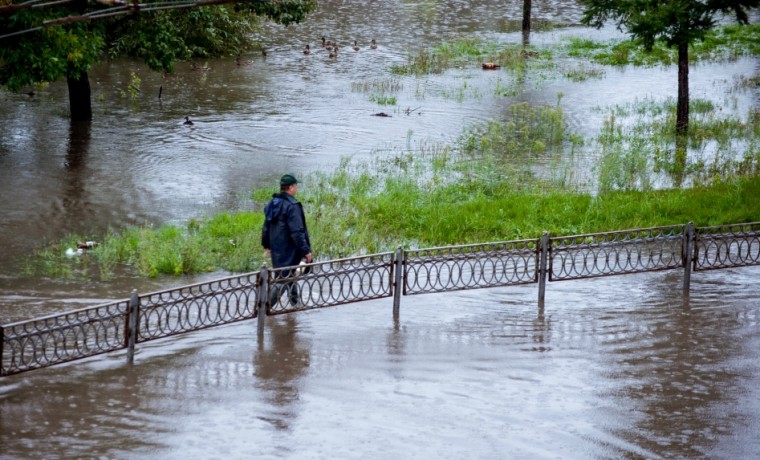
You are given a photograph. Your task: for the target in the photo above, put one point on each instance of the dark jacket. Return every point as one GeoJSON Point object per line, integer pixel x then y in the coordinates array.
{"type": "Point", "coordinates": [285, 232]}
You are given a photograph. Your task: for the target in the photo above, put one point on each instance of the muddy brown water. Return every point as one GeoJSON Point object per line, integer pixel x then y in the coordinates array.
{"type": "Point", "coordinates": [621, 367]}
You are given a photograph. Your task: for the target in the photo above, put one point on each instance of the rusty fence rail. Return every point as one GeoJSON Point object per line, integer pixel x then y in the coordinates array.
{"type": "Point", "coordinates": [74, 335]}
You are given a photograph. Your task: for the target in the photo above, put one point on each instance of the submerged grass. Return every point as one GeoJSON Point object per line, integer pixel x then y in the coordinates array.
{"type": "Point", "coordinates": [722, 43]}
{"type": "Point", "coordinates": [388, 85]}
{"type": "Point", "coordinates": [383, 100]}
{"type": "Point", "coordinates": [527, 131]}
{"type": "Point", "coordinates": [380, 91]}
{"type": "Point", "coordinates": [583, 72]}
{"type": "Point", "coordinates": [637, 146]}
{"type": "Point", "coordinates": [469, 52]}
{"type": "Point", "coordinates": [431, 196]}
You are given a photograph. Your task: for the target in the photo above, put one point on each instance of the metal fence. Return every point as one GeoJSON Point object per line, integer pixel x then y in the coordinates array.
{"type": "Point", "coordinates": [473, 266]}
{"type": "Point", "coordinates": [727, 246]}
{"type": "Point", "coordinates": [616, 253]}
{"type": "Point", "coordinates": [65, 337]}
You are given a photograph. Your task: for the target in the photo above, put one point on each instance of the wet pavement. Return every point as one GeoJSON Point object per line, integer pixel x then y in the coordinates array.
{"type": "Point", "coordinates": [622, 367]}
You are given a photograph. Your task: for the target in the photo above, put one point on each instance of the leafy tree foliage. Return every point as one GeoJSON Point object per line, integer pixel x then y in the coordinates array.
{"type": "Point", "coordinates": [48, 54]}
{"type": "Point", "coordinates": [163, 37]}
{"type": "Point", "coordinates": [676, 22]}
{"type": "Point", "coordinates": [160, 38]}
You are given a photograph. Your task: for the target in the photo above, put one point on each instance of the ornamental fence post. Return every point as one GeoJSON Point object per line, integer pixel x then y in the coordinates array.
{"type": "Point", "coordinates": [398, 276]}
{"type": "Point", "coordinates": [132, 323]}
{"type": "Point", "coordinates": [544, 248]}
{"type": "Point", "coordinates": [263, 301]}
{"type": "Point", "coordinates": [688, 248]}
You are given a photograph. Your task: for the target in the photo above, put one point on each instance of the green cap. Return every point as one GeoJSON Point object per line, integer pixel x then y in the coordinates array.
{"type": "Point", "coordinates": [288, 179]}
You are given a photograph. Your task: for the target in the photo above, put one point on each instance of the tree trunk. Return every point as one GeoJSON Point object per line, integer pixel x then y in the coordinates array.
{"type": "Point", "coordinates": [682, 112]}
{"type": "Point", "coordinates": [526, 22]}
{"type": "Point", "coordinates": [80, 105]}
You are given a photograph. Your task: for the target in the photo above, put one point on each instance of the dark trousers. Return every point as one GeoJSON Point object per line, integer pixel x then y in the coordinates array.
{"type": "Point", "coordinates": [279, 288]}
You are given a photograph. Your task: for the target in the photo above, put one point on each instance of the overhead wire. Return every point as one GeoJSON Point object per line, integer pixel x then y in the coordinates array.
{"type": "Point", "coordinates": [11, 7]}
{"type": "Point", "coordinates": [56, 2]}
{"type": "Point", "coordinates": [122, 8]}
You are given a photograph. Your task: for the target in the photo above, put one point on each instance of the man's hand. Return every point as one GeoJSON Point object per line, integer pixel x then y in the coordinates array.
{"type": "Point", "coordinates": [267, 253]}
{"type": "Point", "coordinates": [308, 258]}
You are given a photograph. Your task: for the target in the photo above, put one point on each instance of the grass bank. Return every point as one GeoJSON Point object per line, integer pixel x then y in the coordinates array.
{"type": "Point", "coordinates": [419, 199]}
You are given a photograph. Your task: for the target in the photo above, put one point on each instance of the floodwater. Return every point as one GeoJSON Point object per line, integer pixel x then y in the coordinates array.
{"type": "Point", "coordinates": [623, 367]}
{"type": "Point", "coordinates": [614, 367]}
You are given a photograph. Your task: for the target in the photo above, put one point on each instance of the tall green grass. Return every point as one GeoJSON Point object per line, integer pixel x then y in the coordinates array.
{"type": "Point", "coordinates": [428, 195]}
{"type": "Point", "coordinates": [526, 131]}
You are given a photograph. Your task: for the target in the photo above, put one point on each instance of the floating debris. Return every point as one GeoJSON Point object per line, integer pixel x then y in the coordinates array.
{"type": "Point", "coordinates": [82, 247]}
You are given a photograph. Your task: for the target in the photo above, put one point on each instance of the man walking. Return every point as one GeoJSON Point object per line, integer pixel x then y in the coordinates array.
{"type": "Point", "coordinates": [284, 236]}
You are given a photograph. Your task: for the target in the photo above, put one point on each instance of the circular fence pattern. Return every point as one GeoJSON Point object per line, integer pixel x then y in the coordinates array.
{"type": "Point", "coordinates": [65, 337]}
{"type": "Point", "coordinates": [326, 284]}
{"type": "Point", "coordinates": [471, 266]}
{"type": "Point", "coordinates": [198, 306]}
{"type": "Point", "coordinates": [727, 246]}
{"type": "Point", "coordinates": [613, 253]}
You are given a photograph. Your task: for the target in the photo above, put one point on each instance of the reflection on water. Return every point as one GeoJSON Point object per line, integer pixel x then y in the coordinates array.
{"type": "Point", "coordinates": [74, 193]}
{"type": "Point", "coordinates": [621, 367]}
{"type": "Point", "coordinates": [278, 365]}
{"type": "Point", "coordinates": [542, 329]}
